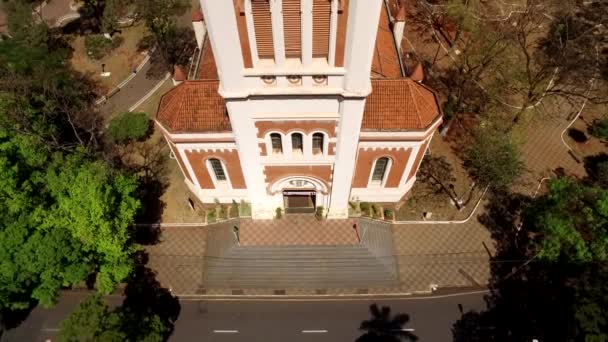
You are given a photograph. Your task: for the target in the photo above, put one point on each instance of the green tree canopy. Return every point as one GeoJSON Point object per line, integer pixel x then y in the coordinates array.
{"type": "Point", "coordinates": [570, 222]}
{"type": "Point", "coordinates": [494, 158]}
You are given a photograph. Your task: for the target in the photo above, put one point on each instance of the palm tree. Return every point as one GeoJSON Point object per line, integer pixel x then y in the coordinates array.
{"type": "Point", "coordinates": [384, 328]}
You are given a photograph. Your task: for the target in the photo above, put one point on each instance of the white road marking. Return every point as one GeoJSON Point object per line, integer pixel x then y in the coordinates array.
{"type": "Point", "coordinates": [408, 329]}
{"type": "Point", "coordinates": [314, 331]}
{"type": "Point", "coordinates": [226, 331]}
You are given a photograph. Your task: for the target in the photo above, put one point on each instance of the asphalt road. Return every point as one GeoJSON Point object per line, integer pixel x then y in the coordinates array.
{"type": "Point", "coordinates": [277, 320]}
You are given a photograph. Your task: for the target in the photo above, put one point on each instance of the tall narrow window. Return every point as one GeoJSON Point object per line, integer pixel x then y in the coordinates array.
{"type": "Point", "coordinates": [297, 143]}
{"type": "Point", "coordinates": [292, 28]}
{"type": "Point", "coordinates": [321, 22]}
{"type": "Point", "coordinates": [218, 169]}
{"type": "Point", "coordinates": [380, 170]}
{"type": "Point", "coordinates": [262, 24]}
{"type": "Point", "coordinates": [317, 143]}
{"type": "Point", "coordinates": [277, 143]}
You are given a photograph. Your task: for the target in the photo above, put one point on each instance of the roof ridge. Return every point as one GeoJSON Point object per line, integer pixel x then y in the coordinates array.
{"type": "Point", "coordinates": [414, 100]}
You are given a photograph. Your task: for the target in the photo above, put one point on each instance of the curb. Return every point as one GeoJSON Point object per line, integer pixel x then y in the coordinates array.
{"type": "Point", "coordinates": [116, 89]}
{"type": "Point", "coordinates": [150, 93]}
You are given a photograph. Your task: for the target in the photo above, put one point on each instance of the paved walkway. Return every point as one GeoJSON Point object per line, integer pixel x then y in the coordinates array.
{"type": "Point", "coordinates": [56, 12]}
{"type": "Point", "coordinates": [179, 257]}
{"type": "Point", "coordinates": [297, 230]}
{"type": "Point", "coordinates": [543, 150]}
{"type": "Point", "coordinates": [128, 95]}
{"type": "Point", "coordinates": [446, 255]}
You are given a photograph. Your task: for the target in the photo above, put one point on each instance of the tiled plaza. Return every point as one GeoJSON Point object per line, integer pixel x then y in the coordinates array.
{"type": "Point", "coordinates": [297, 230]}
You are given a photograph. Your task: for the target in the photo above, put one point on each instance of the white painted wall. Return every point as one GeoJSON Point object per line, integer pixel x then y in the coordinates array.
{"type": "Point", "coordinates": [223, 34]}
{"type": "Point", "coordinates": [199, 32]}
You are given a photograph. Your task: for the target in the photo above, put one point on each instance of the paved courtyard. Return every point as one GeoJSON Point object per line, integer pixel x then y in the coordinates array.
{"type": "Point", "coordinates": [297, 230]}
{"type": "Point", "coordinates": [446, 255]}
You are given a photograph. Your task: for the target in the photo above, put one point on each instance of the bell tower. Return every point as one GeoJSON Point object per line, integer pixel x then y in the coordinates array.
{"type": "Point", "coordinates": [295, 75]}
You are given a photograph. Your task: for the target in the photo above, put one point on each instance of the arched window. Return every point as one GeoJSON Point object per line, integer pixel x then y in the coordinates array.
{"type": "Point", "coordinates": [380, 169]}
{"type": "Point", "coordinates": [297, 143]}
{"type": "Point", "coordinates": [218, 169]}
{"type": "Point", "coordinates": [277, 143]}
{"type": "Point", "coordinates": [318, 143]}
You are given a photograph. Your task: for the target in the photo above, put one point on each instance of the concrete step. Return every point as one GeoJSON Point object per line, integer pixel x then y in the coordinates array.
{"type": "Point", "coordinates": [296, 267]}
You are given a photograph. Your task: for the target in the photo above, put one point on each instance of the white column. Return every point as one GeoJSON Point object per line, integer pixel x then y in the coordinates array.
{"type": "Point", "coordinates": [363, 18]}
{"type": "Point", "coordinates": [253, 45]}
{"type": "Point", "coordinates": [245, 134]}
{"type": "Point", "coordinates": [398, 28]}
{"type": "Point", "coordinates": [306, 9]}
{"type": "Point", "coordinates": [278, 36]}
{"type": "Point", "coordinates": [333, 32]}
{"type": "Point", "coordinates": [351, 115]}
{"type": "Point", "coordinates": [223, 34]}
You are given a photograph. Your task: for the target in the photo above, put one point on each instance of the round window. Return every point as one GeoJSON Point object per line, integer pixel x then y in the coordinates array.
{"type": "Point", "coordinates": [269, 80]}
{"type": "Point", "coordinates": [320, 79]}
{"type": "Point", "coordinates": [294, 79]}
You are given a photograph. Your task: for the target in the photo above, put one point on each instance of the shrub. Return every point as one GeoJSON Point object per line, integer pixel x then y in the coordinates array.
{"type": "Point", "coordinates": [279, 213]}
{"type": "Point", "coordinates": [365, 208]}
{"type": "Point", "coordinates": [211, 216]}
{"type": "Point", "coordinates": [389, 214]}
{"type": "Point", "coordinates": [319, 212]}
{"type": "Point", "coordinates": [235, 209]}
{"type": "Point", "coordinates": [577, 135]}
{"type": "Point", "coordinates": [375, 211]}
{"type": "Point", "coordinates": [98, 46]}
{"type": "Point", "coordinates": [244, 209]}
{"type": "Point", "coordinates": [129, 126]}
{"type": "Point", "coordinates": [599, 128]}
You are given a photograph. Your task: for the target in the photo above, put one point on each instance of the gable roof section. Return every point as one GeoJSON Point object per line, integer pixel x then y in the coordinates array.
{"type": "Point", "coordinates": [194, 106]}
{"type": "Point", "coordinates": [399, 105]}
{"type": "Point", "coordinates": [386, 59]}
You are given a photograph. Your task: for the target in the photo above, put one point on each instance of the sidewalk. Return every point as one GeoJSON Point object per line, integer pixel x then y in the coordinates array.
{"type": "Point", "coordinates": [130, 93]}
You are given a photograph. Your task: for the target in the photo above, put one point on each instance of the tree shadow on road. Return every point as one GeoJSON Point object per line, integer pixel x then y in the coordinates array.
{"type": "Point", "coordinates": [527, 297]}
{"type": "Point", "coordinates": [384, 327]}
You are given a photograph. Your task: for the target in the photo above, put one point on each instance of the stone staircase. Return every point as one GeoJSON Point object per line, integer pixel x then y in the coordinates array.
{"type": "Point", "coordinates": [319, 267]}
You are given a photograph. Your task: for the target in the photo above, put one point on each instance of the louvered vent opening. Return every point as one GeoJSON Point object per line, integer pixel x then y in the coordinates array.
{"type": "Point", "coordinates": [292, 26]}
{"type": "Point", "coordinates": [321, 23]}
{"type": "Point", "coordinates": [262, 22]}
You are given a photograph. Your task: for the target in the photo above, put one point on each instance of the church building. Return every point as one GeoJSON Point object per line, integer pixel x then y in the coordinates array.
{"type": "Point", "coordinates": [299, 104]}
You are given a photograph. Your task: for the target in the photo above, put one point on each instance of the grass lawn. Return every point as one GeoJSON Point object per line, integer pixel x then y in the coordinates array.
{"type": "Point", "coordinates": [120, 62]}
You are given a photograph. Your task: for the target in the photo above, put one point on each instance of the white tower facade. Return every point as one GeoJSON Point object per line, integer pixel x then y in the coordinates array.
{"type": "Point", "coordinates": [294, 78]}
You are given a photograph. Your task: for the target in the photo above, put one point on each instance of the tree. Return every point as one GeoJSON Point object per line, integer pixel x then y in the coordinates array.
{"type": "Point", "coordinates": [148, 313]}
{"type": "Point", "coordinates": [493, 158]}
{"type": "Point", "coordinates": [438, 173]}
{"type": "Point", "coordinates": [92, 321]}
{"type": "Point", "coordinates": [385, 328]}
{"type": "Point", "coordinates": [97, 206]}
{"type": "Point", "coordinates": [570, 222]}
{"type": "Point", "coordinates": [129, 126]}
{"type": "Point", "coordinates": [66, 215]}
{"type": "Point", "coordinates": [175, 46]}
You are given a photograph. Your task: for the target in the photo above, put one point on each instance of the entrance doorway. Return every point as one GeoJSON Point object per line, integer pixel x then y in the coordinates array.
{"type": "Point", "coordinates": [299, 201]}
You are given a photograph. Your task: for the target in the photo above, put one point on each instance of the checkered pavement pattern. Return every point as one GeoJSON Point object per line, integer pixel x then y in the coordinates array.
{"type": "Point", "coordinates": [543, 150]}
{"type": "Point", "coordinates": [297, 230]}
{"type": "Point", "coordinates": [179, 257]}
{"type": "Point", "coordinates": [446, 255]}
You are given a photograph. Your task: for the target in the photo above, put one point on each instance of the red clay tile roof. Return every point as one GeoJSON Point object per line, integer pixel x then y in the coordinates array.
{"type": "Point", "coordinates": [194, 106]}
{"type": "Point", "coordinates": [197, 14]}
{"type": "Point", "coordinates": [207, 69]}
{"type": "Point", "coordinates": [417, 73]}
{"type": "Point", "coordinates": [386, 60]}
{"type": "Point", "coordinates": [398, 105]}
{"type": "Point", "coordinates": [179, 74]}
